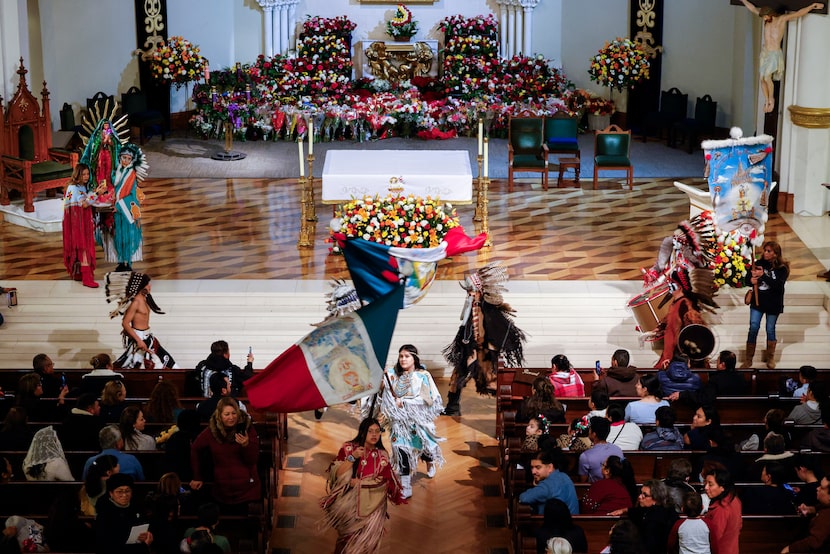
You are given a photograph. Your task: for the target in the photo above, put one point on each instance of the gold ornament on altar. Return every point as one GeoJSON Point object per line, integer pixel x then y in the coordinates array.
{"type": "Point", "coordinates": [412, 61]}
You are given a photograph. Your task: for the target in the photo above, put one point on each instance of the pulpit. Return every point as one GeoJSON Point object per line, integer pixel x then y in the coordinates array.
{"type": "Point", "coordinates": [28, 163]}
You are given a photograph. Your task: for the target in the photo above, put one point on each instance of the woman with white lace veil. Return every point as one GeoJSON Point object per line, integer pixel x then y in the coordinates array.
{"type": "Point", "coordinates": [410, 403]}
{"type": "Point", "coordinates": [45, 460]}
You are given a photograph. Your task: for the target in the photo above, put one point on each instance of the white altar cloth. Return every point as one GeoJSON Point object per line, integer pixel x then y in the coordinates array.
{"type": "Point", "coordinates": [444, 174]}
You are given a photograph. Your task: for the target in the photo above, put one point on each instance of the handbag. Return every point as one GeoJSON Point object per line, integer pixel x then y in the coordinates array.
{"type": "Point", "coordinates": [748, 297]}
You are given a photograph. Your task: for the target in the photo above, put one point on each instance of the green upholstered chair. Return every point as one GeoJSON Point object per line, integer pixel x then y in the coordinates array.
{"type": "Point", "coordinates": [561, 133]}
{"type": "Point", "coordinates": [526, 148]}
{"type": "Point", "coordinates": [612, 147]}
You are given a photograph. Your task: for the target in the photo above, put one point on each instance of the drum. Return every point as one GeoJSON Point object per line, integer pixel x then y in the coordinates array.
{"type": "Point", "coordinates": [646, 307]}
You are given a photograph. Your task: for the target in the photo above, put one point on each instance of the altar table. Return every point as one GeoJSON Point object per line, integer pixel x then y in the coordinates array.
{"type": "Point", "coordinates": [444, 174]}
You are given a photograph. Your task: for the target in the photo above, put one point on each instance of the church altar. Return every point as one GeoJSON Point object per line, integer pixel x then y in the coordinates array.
{"type": "Point", "coordinates": [444, 174]}
{"type": "Point", "coordinates": [397, 50]}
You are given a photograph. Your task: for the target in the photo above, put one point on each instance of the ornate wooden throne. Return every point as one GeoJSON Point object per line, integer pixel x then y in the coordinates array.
{"type": "Point", "coordinates": [28, 163]}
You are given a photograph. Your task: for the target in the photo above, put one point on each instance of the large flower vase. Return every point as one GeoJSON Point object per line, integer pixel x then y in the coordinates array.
{"type": "Point", "coordinates": [620, 100]}
{"type": "Point", "coordinates": [598, 122]}
{"type": "Point", "coordinates": [402, 38]}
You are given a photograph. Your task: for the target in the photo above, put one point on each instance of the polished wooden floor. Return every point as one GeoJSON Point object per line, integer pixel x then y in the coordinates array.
{"type": "Point", "coordinates": [248, 229]}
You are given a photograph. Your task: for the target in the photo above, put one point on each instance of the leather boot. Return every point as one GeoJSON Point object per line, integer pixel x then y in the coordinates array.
{"type": "Point", "coordinates": [771, 354]}
{"type": "Point", "coordinates": [750, 353]}
{"type": "Point", "coordinates": [88, 277]}
{"type": "Point", "coordinates": [406, 481]}
{"type": "Point", "coordinates": [453, 407]}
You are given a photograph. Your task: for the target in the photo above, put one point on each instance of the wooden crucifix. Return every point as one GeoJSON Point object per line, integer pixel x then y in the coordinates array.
{"type": "Point", "coordinates": [776, 14]}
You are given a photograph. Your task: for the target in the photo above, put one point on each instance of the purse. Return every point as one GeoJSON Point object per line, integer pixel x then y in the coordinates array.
{"type": "Point", "coordinates": [748, 297]}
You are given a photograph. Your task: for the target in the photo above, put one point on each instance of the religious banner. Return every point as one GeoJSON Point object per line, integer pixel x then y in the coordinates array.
{"type": "Point", "coordinates": [646, 29]}
{"type": "Point", "coordinates": [739, 171]}
{"type": "Point", "coordinates": [151, 30]}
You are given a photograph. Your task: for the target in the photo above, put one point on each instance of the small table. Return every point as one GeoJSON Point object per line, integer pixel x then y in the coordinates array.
{"type": "Point", "coordinates": [564, 165]}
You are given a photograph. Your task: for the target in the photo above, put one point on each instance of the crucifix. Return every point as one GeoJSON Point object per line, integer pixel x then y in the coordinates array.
{"type": "Point", "coordinates": [775, 18]}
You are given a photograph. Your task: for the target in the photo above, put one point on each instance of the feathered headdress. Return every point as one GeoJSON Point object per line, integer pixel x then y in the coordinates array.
{"type": "Point", "coordinates": [122, 286]}
{"type": "Point", "coordinates": [699, 234]}
{"type": "Point", "coordinates": [139, 162]}
{"type": "Point", "coordinates": [698, 284]}
{"type": "Point", "coordinates": [342, 299]}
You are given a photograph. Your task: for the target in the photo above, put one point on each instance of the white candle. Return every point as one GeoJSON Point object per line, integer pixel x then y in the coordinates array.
{"type": "Point", "coordinates": [480, 135]}
{"type": "Point", "coordinates": [486, 157]}
{"type": "Point", "coordinates": [302, 161]}
{"type": "Point", "coordinates": [310, 137]}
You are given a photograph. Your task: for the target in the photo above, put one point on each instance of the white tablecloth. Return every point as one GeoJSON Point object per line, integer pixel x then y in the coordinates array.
{"type": "Point", "coordinates": [444, 174]}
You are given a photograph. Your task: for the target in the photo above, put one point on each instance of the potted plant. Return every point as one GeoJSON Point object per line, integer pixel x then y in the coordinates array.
{"type": "Point", "coordinates": [402, 27]}
{"type": "Point", "coordinates": [599, 112]}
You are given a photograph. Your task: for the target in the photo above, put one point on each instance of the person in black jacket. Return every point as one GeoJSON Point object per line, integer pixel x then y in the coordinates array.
{"type": "Point", "coordinates": [654, 516]}
{"type": "Point", "coordinates": [559, 523]}
{"type": "Point", "coordinates": [116, 515]}
{"type": "Point", "coordinates": [45, 367]}
{"type": "Point", "coordinates": [79, 430]}
{"type": "Point", "coordinates": [767, 278]}
{"type": "Point", "coordinates": [198, 384]}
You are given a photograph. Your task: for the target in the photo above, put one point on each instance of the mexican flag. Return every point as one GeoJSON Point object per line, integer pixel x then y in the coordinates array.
{"type": "Point", "coordinates": [339, 361]}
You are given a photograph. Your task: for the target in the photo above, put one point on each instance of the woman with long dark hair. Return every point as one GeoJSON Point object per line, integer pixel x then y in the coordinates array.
{"type": "Point", "coordinates": [767, 278]}
{"type": "Point", "coordinates": [541, 401]}
{"type": "Point", "coordinates": [361, 481]}
{"type": "Point", "coordinates": [131, 425]}
{"type": "Point", "coordinates": [615, 491]}
{"type": "Point", "coordinates": [724, 514]}
{"type": "Point", "coordinates": [79, 229]}
{"type": "Point", "coordinates": [410, 401]}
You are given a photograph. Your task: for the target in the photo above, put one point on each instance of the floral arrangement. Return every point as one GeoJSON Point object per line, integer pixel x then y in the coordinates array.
{"type": "Point", "coordinates": [619, 64]}
{"type": "Point", "coordinates": [599, 106]}
{"type": "Point", "coordinates": [402, 221]}
{"type": "Point", "coordinates": [730, 262]}
{"type": "Point", "coordinates": [401, 24]}
{"type": "Point", "coordinates": [340, 25]}
{"type": "Point", "coordinates": [460, 26]}
{"type": "Point", "coordinates": [177, 61]}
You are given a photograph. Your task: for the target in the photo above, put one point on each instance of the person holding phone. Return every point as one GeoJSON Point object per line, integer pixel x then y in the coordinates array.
{"type": "Point", "coordinates": [233, 445]}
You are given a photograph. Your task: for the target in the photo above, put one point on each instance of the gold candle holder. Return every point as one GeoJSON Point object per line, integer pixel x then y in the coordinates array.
{"type": "Point", "coordinates": [306, 227]}
{"type": "Point", "coordinates": [477, 191]}
{"type": "Point", "coordinates": [485, 219]}
{"type": "Point", "coordinates": [311, 213]}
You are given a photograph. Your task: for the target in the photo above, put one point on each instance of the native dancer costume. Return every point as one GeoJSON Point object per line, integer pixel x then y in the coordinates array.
{"type": "Point", "coordinates": [692, 245]}
{"type": "Point", "coordinates": [487, 331]}
{"type": "Point", "coordinates": [127, 237]}
{"type": "Point", "coordinates": [122, 287]}
{"type": "Point", "coordinates": [358, 513]}
{"type": "Point", "coordinates": [412, 424]}
{"type": "Point", "coordinates": [78, 235]}
{"type": "Point", "coordinates": [697, 287]}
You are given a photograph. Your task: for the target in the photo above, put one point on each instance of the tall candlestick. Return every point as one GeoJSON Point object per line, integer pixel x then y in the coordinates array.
{"type": "Point", "coordinates": [207, 73]}
{"type": "Point", "coordinates": [480, 135]}
{"type": "Point", "coordinates": [302, 159]}
{"type": "Point", "coordinates": [310, 136]}
{"type": "Point", "coordinates": [487, 157]}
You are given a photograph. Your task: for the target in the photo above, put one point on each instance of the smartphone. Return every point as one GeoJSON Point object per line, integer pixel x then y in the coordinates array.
{"type": "Point", "coordinates": [598, 368]}
{"type": "Point", "coordinates": [63, 380]}
{"type": "Point", "coordinates": [250, 350]}
{"type": "Point", "coordinates": [240, 428]}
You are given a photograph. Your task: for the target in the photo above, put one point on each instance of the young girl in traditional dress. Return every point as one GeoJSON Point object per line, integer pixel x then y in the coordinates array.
{"type": "Point", "coordinates": [410, 402]}
{"type": "Point", "coordinates": [78, 229]}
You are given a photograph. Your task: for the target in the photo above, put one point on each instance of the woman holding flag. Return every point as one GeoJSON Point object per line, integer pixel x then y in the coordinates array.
{"type": "Point", "coordinates": [410, 402]}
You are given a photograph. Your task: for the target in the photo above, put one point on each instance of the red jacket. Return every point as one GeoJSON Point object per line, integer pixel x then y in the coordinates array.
{"type": "Point", "coordinates": [724, 520]}
{"type": "Point", "coordinates": [235, 477]}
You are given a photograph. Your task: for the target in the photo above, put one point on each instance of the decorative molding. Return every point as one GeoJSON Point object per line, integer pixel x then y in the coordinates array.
{"type": "Point", "coordinates": [810, 118]}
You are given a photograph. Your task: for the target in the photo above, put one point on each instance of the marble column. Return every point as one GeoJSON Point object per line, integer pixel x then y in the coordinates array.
{"type": "Point", "coordinates": [10, 49]}
{"type": "Point", "coordinates": [804, 146]}
{"type": "Point", "coordinates": [268, 12]}
{"type": "Point", "coordinates": [527, 36]}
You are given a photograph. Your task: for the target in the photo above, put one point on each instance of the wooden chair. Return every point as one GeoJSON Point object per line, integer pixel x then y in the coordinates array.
{"type": "Point", "coordinates": [561, 132]}
{"type": "Point", "coordinates": [148, 122]}
{"type": "Point", "coordinates": [526, 148]}
{"type": "Point", "coordinates": [100, 103]}
{"type": "Point", "coordinates": [673, 108]}
{"type": "Point", "coordinates": [703, 124]}
{"type": "Point", "coordinates": [612, 147]}
{"type": "Point", "coordinates": [28, 163]}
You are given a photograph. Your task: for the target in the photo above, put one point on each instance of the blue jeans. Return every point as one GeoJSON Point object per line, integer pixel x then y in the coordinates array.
{"type": "Point", "coordinates": [755, 325]}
